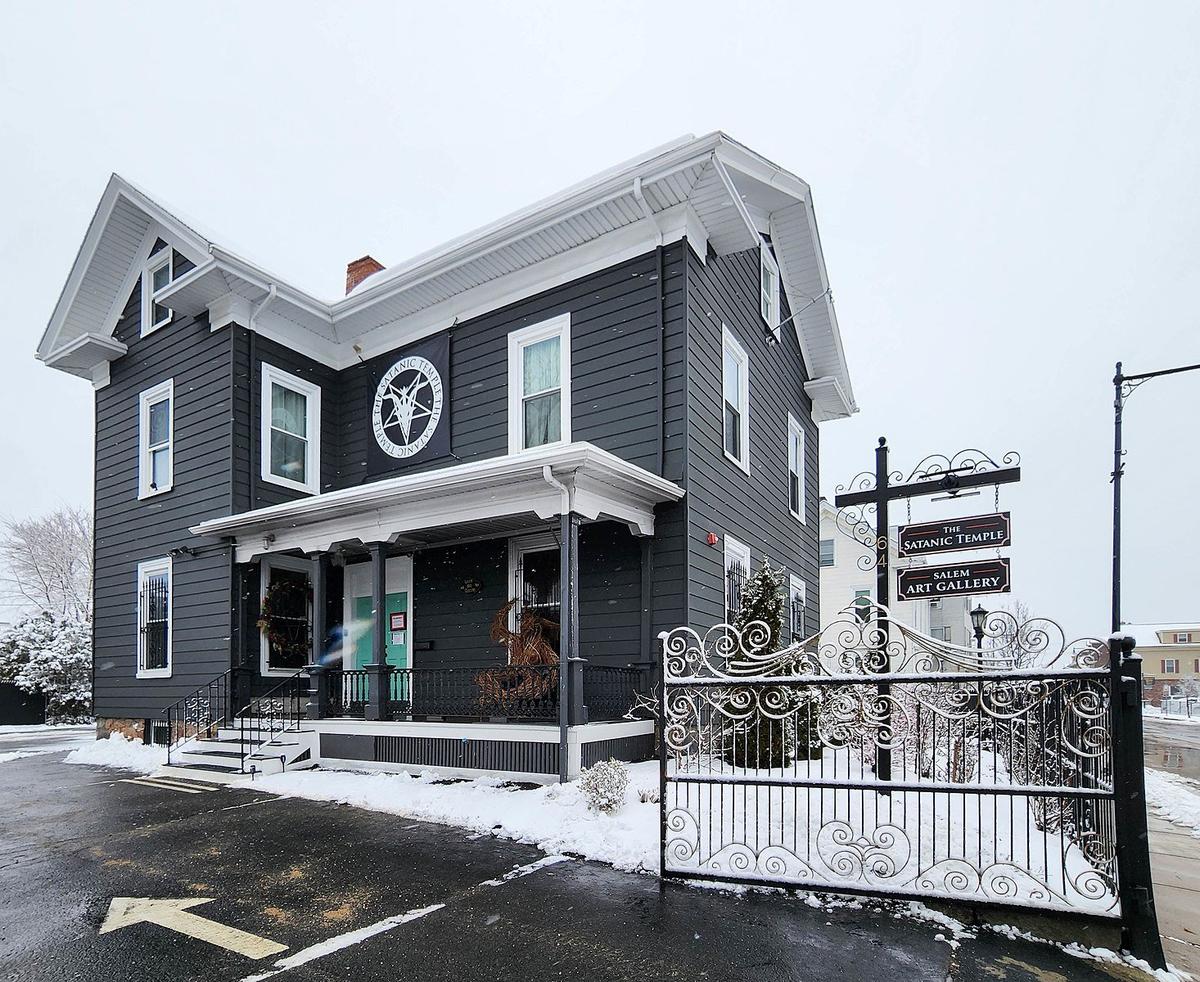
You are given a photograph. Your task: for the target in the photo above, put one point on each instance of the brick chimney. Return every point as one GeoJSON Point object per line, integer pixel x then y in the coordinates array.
{"type": "Point", "coordinates": [359, 270]}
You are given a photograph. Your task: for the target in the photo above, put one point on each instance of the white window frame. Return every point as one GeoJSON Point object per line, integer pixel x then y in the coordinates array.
{"type": "Point", "coordinates": [146, 569]}
{"type": "Point", "coordinates": [733, 550]}
{"type": "Point", "coordinates": [730, 345]}
{"type": "Point", "coordinates": [157, 260]}
{"type": "Point", "coordinates": [797, 585]}
{"type": "Point", "coordinates": [795, 430]}
{"type": "Point", "coordinates": [1183, 637]}
{"type": "Point", "coordinates": [312, 426]}
{"type": "Point", "coordinates": [164, 390]}
{"type": "Point", "coordinates": [559, 326]}
{"type": "Point", "coordinates": [265, 568]}
{"type": "Point", "coordinates": [1170, 666]}
{"type": "Point", "coordinates": [832, 553]}
{"type": "Point", "coordinates": [768, 300]}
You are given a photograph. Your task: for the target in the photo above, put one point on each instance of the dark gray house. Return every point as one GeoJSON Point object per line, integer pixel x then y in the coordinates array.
{"type": "Point", "coordinates": [373, 529]}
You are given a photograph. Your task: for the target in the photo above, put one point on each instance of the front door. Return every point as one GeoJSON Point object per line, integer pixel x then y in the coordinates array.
{"type": "Point", "coordinates": [360, 633]}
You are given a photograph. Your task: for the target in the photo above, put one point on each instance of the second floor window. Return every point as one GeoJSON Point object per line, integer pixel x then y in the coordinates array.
{"type": "Point", "coordinates": [291, 431]}
{"type": "Point", "coordinates": [156, 438]}
{"type": "Point", "coordinates": [795, 439]}
{"type": "Point", "coordinates": [156, 277]}
{"type": "Point", "coordinates": [735, 384]}
{"type": "Point", "coordinates": [799, 598]}
{"type": "Point", "coordinates": [1170, 666]}
{"type": "Point", "coordinates": [539, 385]}
{"type": "Point", "coordinates": [827, 552]}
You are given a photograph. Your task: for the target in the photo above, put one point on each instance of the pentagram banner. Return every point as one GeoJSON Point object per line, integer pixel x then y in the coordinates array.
{"type": "Point", "coordinates": [408, 407]}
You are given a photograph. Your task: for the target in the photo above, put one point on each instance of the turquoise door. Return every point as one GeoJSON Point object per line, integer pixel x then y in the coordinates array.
{"type": "Point", "coordinates": [399, 631]}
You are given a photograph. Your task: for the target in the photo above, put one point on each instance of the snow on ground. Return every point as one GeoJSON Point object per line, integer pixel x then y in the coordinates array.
{"type": "Point", "coordinates": [119, 752]}
{"type": "Point", "coordinates": [1156, 714]}
{"type": "Point", "coordinates": [1174, 798]}
{"type": "Point", "coordinates": [53, 728]}
{"type": "Point", "coordinates": [555, 818]}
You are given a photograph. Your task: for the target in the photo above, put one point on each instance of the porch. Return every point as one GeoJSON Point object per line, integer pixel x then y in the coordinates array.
{"type": "Point", "coordinates": [490, 617]}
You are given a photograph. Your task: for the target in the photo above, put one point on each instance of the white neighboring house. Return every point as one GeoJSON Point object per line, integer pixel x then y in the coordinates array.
{"type": "Point", "coordinates": [843, 581]}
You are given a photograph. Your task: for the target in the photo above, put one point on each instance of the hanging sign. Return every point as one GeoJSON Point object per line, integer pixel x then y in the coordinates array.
{"type": "Point", "coordinates": [408, 406]}
{"type": "Point", "coordinates": [953, 535]}
{"type": "Point", "coordinates": [956, 580]}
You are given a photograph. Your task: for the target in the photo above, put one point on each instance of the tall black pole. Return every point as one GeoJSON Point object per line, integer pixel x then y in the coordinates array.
{"type": "Point", "coordinates": [1118, 468]}
{"type": "Point", "coordinates": [883, 755]}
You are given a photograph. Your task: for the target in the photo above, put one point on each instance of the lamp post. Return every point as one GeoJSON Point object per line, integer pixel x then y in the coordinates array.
{"type": "Point", "coordinates": [1124, 385]}
{"type": "Point", "coordinates": [978, 618]}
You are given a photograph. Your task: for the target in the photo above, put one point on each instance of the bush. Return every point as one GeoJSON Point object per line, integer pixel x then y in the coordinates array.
{"type": "Point", "coordinates": [604, 784]}
{"type": "Point", "coordinates": [52, 656]}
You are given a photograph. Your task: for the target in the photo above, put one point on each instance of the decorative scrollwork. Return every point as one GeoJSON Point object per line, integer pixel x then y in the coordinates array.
{"type": "Point", "coordinates": [963, 462]}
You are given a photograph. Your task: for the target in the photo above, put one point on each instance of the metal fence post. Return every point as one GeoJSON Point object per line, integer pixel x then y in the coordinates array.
{"type": "Point", "coordinates": [1139, 922]}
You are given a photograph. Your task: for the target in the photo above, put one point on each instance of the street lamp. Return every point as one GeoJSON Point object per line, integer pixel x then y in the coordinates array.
{"type": "Point", "coordinates": [978, 617]}
{"type": "Point", "coordinates": [1124, 386]}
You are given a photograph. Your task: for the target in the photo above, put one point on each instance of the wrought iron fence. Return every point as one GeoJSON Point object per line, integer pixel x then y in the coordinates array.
{"type": "Point", "coordinates": [609, 692]}
{"type": "Point", "coordinates": [200, 713]}
{"type": "Point", "coordinates": [348, 691]}
{"type": "Point", "coordinates": [502, 692]}
{"type": "Point", "coordinates": [1002, 777]}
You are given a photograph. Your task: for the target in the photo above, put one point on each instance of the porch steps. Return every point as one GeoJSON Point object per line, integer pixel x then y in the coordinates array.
{"type": "Point", "coordinates": [264, 751]}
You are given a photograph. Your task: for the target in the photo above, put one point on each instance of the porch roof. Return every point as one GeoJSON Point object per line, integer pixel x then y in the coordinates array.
{"type": "Point", "coordinates": [545, 482]}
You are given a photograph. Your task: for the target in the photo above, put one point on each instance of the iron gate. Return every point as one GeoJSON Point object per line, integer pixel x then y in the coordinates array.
{"type": "Point", "coordinates": [1001, 762]}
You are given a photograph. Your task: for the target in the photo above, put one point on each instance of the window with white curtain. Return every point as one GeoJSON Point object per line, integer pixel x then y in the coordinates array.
{"type": "Point", "coordinates": [539, 385]}
{"type": "Point", "coordinates": [156, 432]}
{"type": "Point", "coordinates": [291, 430]}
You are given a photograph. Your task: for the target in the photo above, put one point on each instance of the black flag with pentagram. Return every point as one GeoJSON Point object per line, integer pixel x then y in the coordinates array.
{"type": "Point", "coordinates": [408, 407]}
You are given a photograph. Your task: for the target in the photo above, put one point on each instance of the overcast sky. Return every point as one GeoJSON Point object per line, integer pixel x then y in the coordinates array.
{"type": "Point", "coordinates": [1008, 201]}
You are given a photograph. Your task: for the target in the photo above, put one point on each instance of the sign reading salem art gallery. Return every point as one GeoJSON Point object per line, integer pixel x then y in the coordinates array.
{"type": "Point", "coordinates": [409, 407]}
{"type": "Point", "coordinates": [956, 580]}
{"type": "Point", "coordinates": [955, 534]}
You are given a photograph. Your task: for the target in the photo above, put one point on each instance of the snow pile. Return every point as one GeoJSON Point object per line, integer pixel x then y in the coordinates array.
{"type": "Point", "coordinates": [119, 752]}
{"type": "Point", "coordinates": [1076, 950]}
{"type": "Point", "coordinates": [1174, 798]}
{"type": "Point", "coordinates": [1158, 715]}
{"type": "Point", "coordinates": [556, 818]}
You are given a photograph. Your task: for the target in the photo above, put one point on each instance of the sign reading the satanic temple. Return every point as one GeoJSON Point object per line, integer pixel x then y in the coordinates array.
{"type": "Point", "coordinates": [409, 407]}
{"type": "Point", "coordinates": [956, 534]}
{"type": "Point", "coordinates": [968, 577]}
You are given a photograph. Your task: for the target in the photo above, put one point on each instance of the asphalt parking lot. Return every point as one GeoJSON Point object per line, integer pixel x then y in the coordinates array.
{"type": "Point", "coordinates": [314, 891]}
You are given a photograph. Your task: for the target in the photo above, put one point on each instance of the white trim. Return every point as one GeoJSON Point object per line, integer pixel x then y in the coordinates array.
{"type": "Point", "coordinates": [147, 398]}
{"type": "Point", "coordinates": [312, 428]}
{"type": "Point", "coordinates": [154, 262]}
{"type": "Point", "coordinates": [518, 548]}
{"type": "Point", "coordinates": [145, 569]}
{"type": "Point", "coordinates": [794, 429]}
{"type": "Point", "coordinates": [730, 344]}
{"type": "Point", "coordinates": [518, 340]}
{"type": "Point", "coordinates": [737, 550]}
{"type": "Point", "coordinates": [398, 578]}
{"type": "Point", "coordinates": [768, 264]}
{"type": "Point", "coordinates": [294, 565]}
{"type": "Point", "coordinates": [797, 585]}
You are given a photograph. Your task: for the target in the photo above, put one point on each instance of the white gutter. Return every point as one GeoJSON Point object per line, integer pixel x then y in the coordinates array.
{"type": "Point", "coordinates": [645, 206]}
{"type": "Point", "coordinates": [567, 494]}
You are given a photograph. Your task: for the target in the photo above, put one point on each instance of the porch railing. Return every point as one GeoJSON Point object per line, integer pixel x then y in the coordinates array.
{"type": "Point", "coordinates": [200, 713]}
{"type": "Point", "coordinates": [494, 693]}
{"type": "Point", "coordinates": [269, 716]}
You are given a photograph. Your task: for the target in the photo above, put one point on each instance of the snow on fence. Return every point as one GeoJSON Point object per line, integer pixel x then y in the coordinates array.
{"type": "Point", "coordinates": [871, 758]}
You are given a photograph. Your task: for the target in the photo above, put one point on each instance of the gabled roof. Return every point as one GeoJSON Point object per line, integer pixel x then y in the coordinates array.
{"type": "Point", "coordinates": [710, 188]}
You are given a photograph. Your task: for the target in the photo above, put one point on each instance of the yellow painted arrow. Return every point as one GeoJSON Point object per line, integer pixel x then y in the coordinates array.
{"type": "Point", "coordinates": [175, 916]}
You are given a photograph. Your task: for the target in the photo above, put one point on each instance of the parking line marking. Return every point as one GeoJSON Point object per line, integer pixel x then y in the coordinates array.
{"type": "Point", "coordinates": [149, 783]}
{"type": "Point", "coordinates": [341, 941]}
{"type": "Point", "coordinates": [184, 785]}
{"type": "Point", "coordinates": [323, 948]}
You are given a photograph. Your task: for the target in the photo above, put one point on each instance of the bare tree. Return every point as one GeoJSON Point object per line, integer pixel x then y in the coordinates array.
{"type": "Point", "coordinates": [48, 561]}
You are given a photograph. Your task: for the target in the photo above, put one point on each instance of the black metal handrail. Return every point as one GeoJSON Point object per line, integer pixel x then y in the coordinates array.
{"type": "Point", "coordinates": [279, 711]}
{"type": "Point", "coordinates": [609, 691]}
{"type": "Point", "coordinates": [199, 713]}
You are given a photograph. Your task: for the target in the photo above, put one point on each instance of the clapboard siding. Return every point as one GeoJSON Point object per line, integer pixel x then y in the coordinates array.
{"type": "Point", "coordinates": [456, 593]}
{"type": "Point", "coordinates": [722, 498]}
{"type": "Point", "coordinates": [129, 531]}
{"type": "Point", "coordinates": [615, 377]}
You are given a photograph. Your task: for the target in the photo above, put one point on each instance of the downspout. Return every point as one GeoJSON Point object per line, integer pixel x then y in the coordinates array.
{"type": "Point", "coordinates": [567, 501]}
